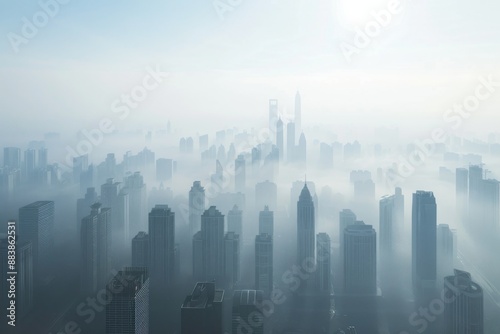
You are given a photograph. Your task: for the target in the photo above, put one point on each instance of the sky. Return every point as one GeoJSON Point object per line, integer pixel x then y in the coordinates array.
{"type": "Point", "coordinates": [224, 64]}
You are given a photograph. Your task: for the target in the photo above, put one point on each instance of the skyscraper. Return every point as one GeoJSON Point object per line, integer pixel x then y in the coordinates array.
{"type": "Point", "coordinates": [298, 114]}
{"type": "Point", "coordinates": [196, 206]}
{"type": "Point", "coordinates": [305, 227]}
{"type": "Point", "coordinates": [279, 139]}
{"type": "Point", "coordinates": [391, 214]}
{"type": "Point", "coordinates": [490, 199]}
{"type": "Point", "coordinates": [235, 221]}
{"type": "Point", "coordinates": [462, 190]}
{"type": "Point", "coordinates": [201, 311]}
{"type": "Point", "coordinates": [231, 258]}
{"type": "Point", "coordinates": [475, 182]}
{"type": "Point", "coordinates": [301, 151]}
{"type": "Point", "coordinates": [424, 215]}
{"type": "Point", "coordinates": [36, 224]}
{"type": "Point", "coordinates": [140, 250]}
{"type": "Point", "coordinates": [290, 142]}
{"type": "Point", "coordinates": [212, 234]}
{"type": "Point", "coordinates": [246, 314]}
{"type": "Point", "coordinates": [161, 247]}
{"type": "Point", "coordinates": [240, 174]}
{"type": "Point", "coordinates": [264, 263]}
{"type": "Point", "coordinates": [445, 251]}
{"type": "Point", "coordinates": [266, 193]}
{"type": "Point", "coordinates": [324, 271]}
{"type": "Point", "coordinates": [128, 309]}
{"type": "Point", "coordinates": [360, 260]}
{"type": "Point", "coordinates": [116, 198]}
{"type": "Point", "coordinates": [95, 245]}
{"type": "Point", "coordinates": [136, 189]}
{"type": "Point", "coordinates": [464, 307]}
{"type": "Point", "coordinates": [198, 256]}
{"type": "Point", "coordinates": [266, 221]}
{"type": "Point", "coordinates": [83, 204]}
{"type": "Point", "coordinates": [12, 158]}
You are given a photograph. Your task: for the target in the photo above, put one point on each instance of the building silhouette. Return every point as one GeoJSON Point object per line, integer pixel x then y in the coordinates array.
{"type": "Point", "coordinates": [264, 263]}
{"type": "Point", "coordinates": [391, 215]}
{"type": "Point", "coordinates": [212, 241]}
{"type": "Point", "coordinates": [201, 311]}
{"type": "Point", "coordinates": [305, 227]}
{"type": "Point", "coordinates": [231, 259]}
{"type": "Point", "coordinates": [240, 174]}
{"type": "Point", "coordinates": [324, 263]}
{"type": "Point", "coordinates": [246, 316]}
{"type": "Point", "coordinates": [280, 139]}
{"type": "Point", "coordinates": [196, 206]}
{"type": "Point", "coordinates": [235, 221]}
{"type": "Point", "coordinates": [266, 221]}
{"type": "Point", "coordinates": [290, 142]}
{"type": "Point", "coordinates": [266, 193]}
{"type": "Point", "coordinates": [136, 189]}
{"type": "Point", "coordinates": [140, 250]}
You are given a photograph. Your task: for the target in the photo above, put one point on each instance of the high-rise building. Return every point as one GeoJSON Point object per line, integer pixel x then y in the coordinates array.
{"type": "Point", "coordinates": [198, 256]}
{"type": "Point", "coordinates": [266, 193]}
{"type": "Point", "coordinates": [475, 190]}
{"type": "Point", "coordinates": [305, 227]}
{"type": "Point", "coordinates": [264, 263]}
{"type": "Point", "coordinates": [201, 311]}
{"type": "Point", "coordinates": [445, 249]}
{"type": "Point", "coordinates": [196, 206]}
{"type": "Point", "coordinates": [462, 191]}
{"type": "Point", "coordinates": [323, 265]}
{"type": "Point", "coordinates": [83, 204]}
{"type": "Point", "coordinates": [266, 221]}
{"type": "Point", "coordinates": [290, 142]}
{"type": "Point", "coordinates": [490, 200]}
{"type": "Point", "coordinates": [161, 247]}
{"type": "Point", "coordinates": [128, 309]}
{"type": "Point", "coordinates": [273, 114]}
{"type": "Point", "coordinates": [424, 229]}
{"type": "Point", "coordinates": [140, 250]}
{"type": "Point", "coordinates": [212, 234]}
{"type": "Point", "coordinates": [298, 114]}
{"type": "Point", "coordinates": [36, 224]}
{"type": "Point", "coordinates": [246, 314]}
{"type": "Point", "coordinates": [360, 260]}
{"type": "Point", "coordinates": [391, 214]}
{"type": "Point", "coordinates": [231, 258]}
{"type": "Point", "coordinates": [240, 174]}
{"type": "Point", "coordinates": [464, 306]}
{"type": "Point", "coordinates": [12, 158]}
{"type": "Point", "coordinates": [279, 139]}
{"type": "Point", "coordinates": [80, 165]}
{"type": "Point", "coordinates": [30, 163]}
{"type": "Point", "coordinates": [136, 189]}
{"type": "Point", "coordinates": [117, 199]}
{"type": "Point", "coordinates": [95, 245]}
{"type": "Point", "coordinates": [235, 221]}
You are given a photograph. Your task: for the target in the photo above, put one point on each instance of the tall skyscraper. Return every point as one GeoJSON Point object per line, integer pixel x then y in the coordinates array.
{"type": "Point", "coordinates": [391, 214]}
{"type": "Point", "coordinates": [266, 221]}
{"type": "Point", "coordinates": [266, 193]}
{"type": "Point", "coordinates": [264, 263]}
{"type": "Point", "coordinates": [83, 204]}
{"type": "Point", "coordinates": [95, 244]}
{"type": "Point", "coordinates": [201, 311]}
{"type": "Point", "coordinates": [324, 269]}
{"type": "Point", "coordinates": [445, 249]}
{"type": "Point", "coordinates": [462, 191]}
{"type": "Point", "coordinates": [240, 174]}
{"type": "Point", "coordinates": [136, 189]}
{"type": "Point", "coordinates": [424, 229]}
{"type": "Point", "coordinates": [464, 307]}
{"type": "Point", "coordinates": [12, 158]}
{"type": "Point", "coordinates": [116, 198]}
{"type": "Point", "coordinates": [490, 200]}
{"type": "Point", "coordinates": [298, 114]}
{"type": "Point", "coordinates": [196, 206]}
{"type": "Point", "coordinates": [235, 221]}
{"type": "Point", "coordinates": [475, 190]}
{"type": "Point", "coordinates": [279, 139]}
{"type": "Point", "coordinates": [198, 256]}
{"type": "Point", "coordinates": [161, 247]}
{"type": "Point", "coordinates": [290, 142]}
{"type": "Point", "coordinates": [273, 114]}
{"type": "Point", "coordinates": [140, 250]}
{"type": "Point", "coordinates": [36, 224]}
{"type": "Point", "coordinates": [128, 310]}
{"type": "Point", "coordinates": [246, 314]}
{"type": "Point", "coordinates": [360, 260]}
{"type": "Point", "coordinates": [305, 227]}
{"type": "Point", "coordinates": [231, 259]}
{"type": "Point", "coordinates": [212, 234]}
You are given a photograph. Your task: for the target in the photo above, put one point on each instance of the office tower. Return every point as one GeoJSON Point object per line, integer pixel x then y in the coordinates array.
{"type": "Point", "coordinates": [164, 170]}
{"type": "Point", "coordinates": [424, 231]}
{"type": "Point", "coordinates": [464, 306]}
{"type": "Point", "coordinates": [305, 227]}
{"type": "Point", "coordinates": [475, 182]}
{"type": "Point", "coordinates": [391, 219]}
{"type": "Point", "coordinates": [218, 177]}
{"type": "Point", "coordinates": [346, 218]}
{"type": "Point", "coordinates": [273, 114]}
{"type": "Point", "coordinates": [196, 206]}
{"type": "Point", "coordinates": [298, 114]}
{"type": "Point", "coordinates": [279, 139]}
{"type": "Point", "coordinates": [462, 190]}
{"type": "Point", "coordinates": [445, 251]}
{"type": "Point", "coordinates": [161, 247]}
{"type": "Point", "coordinates": [198, 256]}
{"type": "Point", "coordinates": [490, 199]}
{"type": "Point", "coordinates": [83, 204]}
{"type": "Point", "coordinates": [110, 166]}
{"type": "Point", "coordinates": [266, 221]}
{"type": "Point", "coordinates": [95, 245]}
{"type": "Point", "coordinates": [295, 192]}
{"type": "Point", "coordinates": [235, 221]}
{"type": "Point", "coordinates": [140, 250]}
{"type": "Point", "coordinates": [256, 161]}
{"type": "Point", "coordinates": [360, 260]}
{"type": "Point", "coordinates": [266, 193]}
{"type": "Point", "coordinates": [42, 158]}
{"type": "Point", "coordinates": [325, 156]}
{"type": "Point", "coordinates": [136, 189]}
{"type": "Point", "coordinates": [246, 312]}
{"type": "Point", "coordinates": [290, 142]}
{"type": "Point", "coordinates": [114, 197]}
{"type": "Point", "coordinates": [12, 158]}
{"type": "Point", "coordinates": [30, 163]}
{"type": "Point", "coordinates": [24, 277]}
{"type": "Point", "coordinates": [323, 265]}
{"type": "Point", "coordinates": [36, 224]}
{"type": "Point", "coordinates": [231, 258]}
{"type": "Point", "coordinates": [201, 311]}
{"type": "Point", "coordinates": [128, 309]}
{"type": "Point", "coordinates": [264, 263]}
{"type": "Point", "coordinates": [240, 174]}
{"type": "Point", "coordinates": [212, 233]}
{"type": "Point", "coordinates": [87, 178]}
{"type": "Point", "coordinates": [80, 165]}
{"type": "Point", "coordinates": [301, 151]}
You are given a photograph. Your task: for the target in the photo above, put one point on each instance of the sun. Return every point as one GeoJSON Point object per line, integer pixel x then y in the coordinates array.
{"type": "Point", "coordinates": [353, 13]}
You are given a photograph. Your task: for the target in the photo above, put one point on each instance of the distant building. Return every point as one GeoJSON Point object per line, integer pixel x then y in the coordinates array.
{"type": "Point", "coordinates": [201, 311]}
{"type": "Point", "coordinates": [266, 193]}
{"type": "Point", "coordinates": [240, 174]}
{"type": "Point", "coordinates": [136, 189]}
{"type": "Point", "coordinates": [196, 206]}
{"type": "Point", "coordinates": [231, 258]}
{"type": "Point", "coordinates": [264, 263]}
{"type": "Point", "coordinates": [266, 221]}
{"type": "Point", "coordinates": [212, 236]}
{"type": "Point", "coordinates": [164, 169]}
{"type": "Point", "coordinates": [391, 220]}
{"type": "Point", "coordinates": [279, 139]}
{"type": "Point", "coordinates": [140, 250]}
{"type": "Point", "coordinates": [305, 227]}
{"type": "Point", "coordinates": [323, 265]}
{"type": "Point", "coordinates": [246, 314]}
{"type": "Point", "coordinates": [235, 221]}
